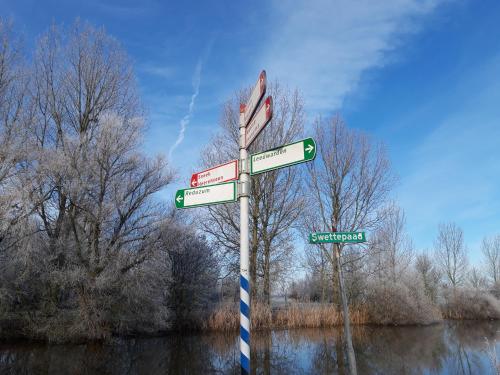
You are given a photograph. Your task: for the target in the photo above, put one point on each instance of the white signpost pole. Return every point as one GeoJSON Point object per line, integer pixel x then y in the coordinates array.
{"type": "Point", "coordinates": [244, 251]}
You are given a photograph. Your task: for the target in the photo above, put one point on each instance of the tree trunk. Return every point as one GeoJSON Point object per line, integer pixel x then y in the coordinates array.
{"type": "Point", "coordinates": [345, 310]}
{"type": "Point", "coordinates": [267, 272]}
{"type": "Point", "coordinates": [323, 281]}
{"type": "Point", "coordinates": [335, 281]}
{"type": "Point", "coordinates": [254, 246]}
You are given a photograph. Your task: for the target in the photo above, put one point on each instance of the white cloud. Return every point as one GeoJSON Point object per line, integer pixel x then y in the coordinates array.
{"type": "Point", "coordinates": [185, 120]}
{"type": "Point", "coordinates": [322, 47]}
{"type": "Point", "coordinates": [196, 81]}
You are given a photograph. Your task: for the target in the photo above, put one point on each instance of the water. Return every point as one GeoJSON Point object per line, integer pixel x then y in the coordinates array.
{"type": "Point", "coordinates": [448, 348]}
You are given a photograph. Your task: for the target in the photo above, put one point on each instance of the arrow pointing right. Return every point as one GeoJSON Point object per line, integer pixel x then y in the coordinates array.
{"type": "Point", "coordinates": [309, 149]}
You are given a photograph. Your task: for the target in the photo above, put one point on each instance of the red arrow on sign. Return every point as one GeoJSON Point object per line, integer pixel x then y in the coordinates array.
{"type": "Point", "coordinates": [194, 180]}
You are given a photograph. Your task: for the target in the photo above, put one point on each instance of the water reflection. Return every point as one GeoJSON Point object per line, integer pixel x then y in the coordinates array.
{"type": "Point", "coordinates": [450, 348]}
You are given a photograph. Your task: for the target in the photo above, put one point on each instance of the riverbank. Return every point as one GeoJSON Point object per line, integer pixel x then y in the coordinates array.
{"type": "Point", "coordinates": [384, 309]}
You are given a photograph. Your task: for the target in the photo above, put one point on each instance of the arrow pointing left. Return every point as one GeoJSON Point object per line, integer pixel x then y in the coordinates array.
{"type": "Point", "coordinates": [179, 199]}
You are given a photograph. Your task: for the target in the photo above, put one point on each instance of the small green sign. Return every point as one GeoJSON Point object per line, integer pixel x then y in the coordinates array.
{"type": "Point", "coordinates": [283, 156]}
{"type": "Point", "coordinates": [337, 237]}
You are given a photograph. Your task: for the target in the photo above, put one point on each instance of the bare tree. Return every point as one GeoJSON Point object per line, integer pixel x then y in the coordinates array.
{"type": "Point", "coordinates": [92, 188]}
{"type": "Point", "coordinates": [111, 215]}
{"type": "Point", "coordinates": [451, 253]}
{"type": "Point", "coordinates": [475, 279]}
{"type": "Point", "coordinates": [394, 246]}
{"type": "Point", "coordinates": [192, 273]}
{"type": "Point", "coordinates": [490, 248]}
{"type": "Point", "coordinates": [15, 208]}
{"type": "Point", "coordinates": [349, 183]}
{"type": "Point", "coordinates": [429, 274]}
{"type": "Point", "coordinates": [14, 121]}
{"type": "Point", "coordinates": [316, 263]}
{"type": "Point", "coordinates": [79, 77]}
{"type": "Point", "coordinates": [276, 199]}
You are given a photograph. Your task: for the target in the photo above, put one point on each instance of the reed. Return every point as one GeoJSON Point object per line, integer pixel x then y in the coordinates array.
{"type": "Point", "coordinates": [226, 317]}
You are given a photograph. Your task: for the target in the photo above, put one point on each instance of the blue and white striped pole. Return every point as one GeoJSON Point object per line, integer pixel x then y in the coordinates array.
{"type": "Point", "coordinates": [244, 252]}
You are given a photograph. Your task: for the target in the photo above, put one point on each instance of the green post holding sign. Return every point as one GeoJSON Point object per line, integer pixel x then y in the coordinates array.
{"type": "Point", "coordinates": [336, 238]}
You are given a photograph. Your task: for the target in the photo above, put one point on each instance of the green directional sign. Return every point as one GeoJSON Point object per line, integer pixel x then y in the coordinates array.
{"type": "Point", "coordinates": [205, 196]}
{"type": "Point", "coordinates": [284, 156]}
{"type": "Point", "coordinates": [328, 237]}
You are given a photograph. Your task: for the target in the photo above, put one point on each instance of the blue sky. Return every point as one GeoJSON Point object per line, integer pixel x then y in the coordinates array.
{"type": "Point", "coordinates": [423, 76]}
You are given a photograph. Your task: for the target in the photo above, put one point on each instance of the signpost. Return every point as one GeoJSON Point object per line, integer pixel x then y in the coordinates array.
{"type": "Point", "coordinates": [244, 252]}
{"type": "Point", "coordinates": [257, 93]}
{"type": "Point", "coordinates": [205, 196]}
{"type": "Point", "coordinates": [259, 121]}
{"type": "Point", "coordinates": [337, 237]}
{"type": "Point", "coordinates": [221, 173]}
{"type": "Point", "coordinates": [216, 185]}
{"type": "Point", "coordinates": [284, 156]}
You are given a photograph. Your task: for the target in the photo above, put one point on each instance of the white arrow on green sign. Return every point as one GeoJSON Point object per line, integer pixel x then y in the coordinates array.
{"type": "Point", "coordinates": [284, 156]}
{"type": "Point", "coordinates": [207, 195]}
{"type": "Point", "coordinates": [328, 237]}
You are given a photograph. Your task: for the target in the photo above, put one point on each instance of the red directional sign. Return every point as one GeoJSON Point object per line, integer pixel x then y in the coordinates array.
{"type": "Point", "coordinates": [216, 175]}
{"type": "Point", "coordinates": [257, 93]}
{"type": "Point", "coordinates": [259, 121]}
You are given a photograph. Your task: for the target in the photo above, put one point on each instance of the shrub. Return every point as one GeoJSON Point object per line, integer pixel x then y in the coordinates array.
{"type": "Point", "coordinates": [469, 304]}
{"type": "Point", "coordinates": [391, 303]}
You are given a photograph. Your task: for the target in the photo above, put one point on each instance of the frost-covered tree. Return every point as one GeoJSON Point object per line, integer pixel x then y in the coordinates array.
{"type": "Point", "coordinates": [72, 168]}
{"type": "Point", "coordinates": [429, 274]}
{"type": "Point", "coordinates": [490, 248]}
{"type": "Point", "coordinates": [451, 253]}
{"type": "Point", "coordinates": [394, 248]}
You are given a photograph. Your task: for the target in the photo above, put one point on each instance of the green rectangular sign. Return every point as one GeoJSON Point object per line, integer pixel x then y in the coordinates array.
{"type": "Point", "coordinates": [206, 195]}
{"type": "Point", "coordinates": [283, 156]}
{"type": "Point", "coordinates": [337, 237]}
